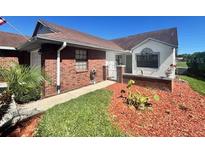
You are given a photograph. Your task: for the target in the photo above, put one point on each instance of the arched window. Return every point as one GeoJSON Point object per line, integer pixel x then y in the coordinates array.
{"type": "Point", "coordinates": [148, 58]}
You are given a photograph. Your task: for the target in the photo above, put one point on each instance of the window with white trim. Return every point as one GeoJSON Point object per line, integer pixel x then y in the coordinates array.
{"type": "Point", "coordinates": [81, 60]}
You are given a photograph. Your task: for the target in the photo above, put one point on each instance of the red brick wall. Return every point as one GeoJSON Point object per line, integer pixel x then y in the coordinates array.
{"type": "Point", "coordinates": [70, 78]}
{"type": "Point", "coordinates": [7, 57]}
{"type": "Point", "coordinates": [166, 85]}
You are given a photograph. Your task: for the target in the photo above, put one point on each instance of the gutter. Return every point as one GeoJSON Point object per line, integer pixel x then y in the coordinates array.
{"type": "Point", "coordinates": [7, 48]}
{"type": "Point", "coordinates": [58, 66]}
{"type": "Point", "coordinates": [81, 44]}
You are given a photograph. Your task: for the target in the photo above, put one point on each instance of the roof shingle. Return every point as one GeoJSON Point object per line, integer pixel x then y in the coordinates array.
{"type": "Point", "coordinates": [11, 40]}
{"type": "Point", "coordinates": [166, 35]}
{"type": "Point", "coordinates": [66, 34]}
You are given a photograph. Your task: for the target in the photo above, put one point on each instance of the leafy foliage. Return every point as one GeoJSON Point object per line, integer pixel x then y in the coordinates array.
{"type": "Point", "coordinates": [130, 84]}
{"type": "Point", "coordinates": [136, 99]}
{"type": "Point", "coordinates": [156, 97]}
{"type": "Point", "coordinates": [23, 81]}
{"type": "Point", "coordinates": [196, 63]}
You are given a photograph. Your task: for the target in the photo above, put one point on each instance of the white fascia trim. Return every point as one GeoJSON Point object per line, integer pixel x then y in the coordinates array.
{"type": "Point", "coordinates": [7, 48]}
{"type": "Point", "coordinates": [148, 39]}
{"type": "Point", "coordinates": [81, 44]}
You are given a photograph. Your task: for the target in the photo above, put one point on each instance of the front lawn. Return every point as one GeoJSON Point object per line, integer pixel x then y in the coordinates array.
{"type": "Point", "coordinates": [182, 64]}
{"type": "Point", "coordinates": [86, 115]}
{"type": "Point", "coordinates": [197, 84]}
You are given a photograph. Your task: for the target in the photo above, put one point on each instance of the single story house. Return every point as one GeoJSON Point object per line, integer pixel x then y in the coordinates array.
{"type": "Point", "coordinates": [71, 58]}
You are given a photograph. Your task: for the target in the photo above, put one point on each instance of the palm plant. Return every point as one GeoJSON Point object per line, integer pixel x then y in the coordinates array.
{"type": "Point", "coordinates": [23, 81]}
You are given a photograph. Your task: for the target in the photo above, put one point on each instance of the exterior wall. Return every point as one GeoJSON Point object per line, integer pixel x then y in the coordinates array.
{"type": "Point", "coordinates": [167, 85]}
{"type": "Point", "coordinates": [7, 57]}
{"type": "Point", "coordinates": [166, 57]}
{"type": "Point", "coordinates": [70, 78]}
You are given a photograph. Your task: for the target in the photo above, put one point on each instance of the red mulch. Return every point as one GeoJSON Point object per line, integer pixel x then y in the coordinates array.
{"type": "Point", "coordinates": [24, 129]}
{"type": "Point", "coordinates": [166, 118]}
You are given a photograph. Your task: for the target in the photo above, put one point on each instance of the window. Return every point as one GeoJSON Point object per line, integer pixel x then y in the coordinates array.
{"type": "Point", "coordinates": [148, 58]}
{"type": "Point", "coordinates": [81, 60]}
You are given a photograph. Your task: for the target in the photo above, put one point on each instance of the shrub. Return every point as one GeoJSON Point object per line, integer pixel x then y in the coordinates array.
{"type": "Point", "coordinates": [136, 99]}
{"type": "Point", "coordinates": [23, 81]}
{"type": "Point", "coordinates": [31, 95]}
{"type": "Point", "coordinates": [196, 63]}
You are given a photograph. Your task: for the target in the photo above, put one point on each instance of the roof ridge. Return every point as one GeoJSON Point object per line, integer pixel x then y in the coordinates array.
{"type": "Point", "coordinates": [147, 32]}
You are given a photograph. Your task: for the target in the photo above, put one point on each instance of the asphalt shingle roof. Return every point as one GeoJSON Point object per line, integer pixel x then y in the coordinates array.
{"type": "Point", "coordinates": [61, 33]}
{"type": "Point", "coordinates": [66, 34]}
{"type": "Point", "coordinates": [166, 35]}
{"type": "Point", "coordinates": [11, 40]}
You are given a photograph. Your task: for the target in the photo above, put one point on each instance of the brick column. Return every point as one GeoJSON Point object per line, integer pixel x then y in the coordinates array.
{"type": "Point", "coordinates": [105, 72]}
{"type": "Point", "coordinates": [120, 72]}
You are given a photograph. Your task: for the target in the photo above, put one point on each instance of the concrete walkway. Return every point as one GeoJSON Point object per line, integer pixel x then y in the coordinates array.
{"type": "Point", "coordinates": [45, 104]}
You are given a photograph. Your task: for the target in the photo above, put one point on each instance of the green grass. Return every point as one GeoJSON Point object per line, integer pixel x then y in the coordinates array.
{"type": "Point", "coordinates": [86, 115]}
{"type": "Point", "coordinates": [197, 84]}
{"type": "Point", "coordinates": [182, 64]}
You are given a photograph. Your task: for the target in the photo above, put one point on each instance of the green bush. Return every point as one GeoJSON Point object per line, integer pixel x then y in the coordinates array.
{"type": "Point", "coordinates": [196, 63]}
{"type": "Point", "coordinates": [31, 95]}
{"type": "Point", "coordinates": [23, 81]}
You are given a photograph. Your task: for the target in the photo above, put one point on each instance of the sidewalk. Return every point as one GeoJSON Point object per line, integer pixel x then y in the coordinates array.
{"type": "Point", "coordinates": [45, 104]}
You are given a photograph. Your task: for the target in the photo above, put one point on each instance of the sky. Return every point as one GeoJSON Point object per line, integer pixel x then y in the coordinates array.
{"type": "Point", "coordinates": [191, 30]}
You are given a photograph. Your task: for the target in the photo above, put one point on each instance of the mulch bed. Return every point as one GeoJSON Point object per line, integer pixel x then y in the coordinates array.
{"type": "Point", "coordinates": [180, 113]}
{"type": "Point", "coordinates": [25, 128]}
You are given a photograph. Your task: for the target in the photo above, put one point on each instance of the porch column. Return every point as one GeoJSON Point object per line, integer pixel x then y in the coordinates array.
{"type": "Point", "coordinates": [120, 72]}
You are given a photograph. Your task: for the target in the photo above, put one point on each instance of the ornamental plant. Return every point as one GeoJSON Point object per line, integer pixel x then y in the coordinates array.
{"type": "Point", "coordinates": [135, 98]}
{"type": "Point", "coordinates": [23, 81]}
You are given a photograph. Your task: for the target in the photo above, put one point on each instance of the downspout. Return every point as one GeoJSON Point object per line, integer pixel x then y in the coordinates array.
{"type": "Point", "coordinates": [58, 66]}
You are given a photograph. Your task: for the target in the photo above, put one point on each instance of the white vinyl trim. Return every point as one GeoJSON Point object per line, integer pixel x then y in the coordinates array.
{"type": "Point", "coordinates": [7, 48]}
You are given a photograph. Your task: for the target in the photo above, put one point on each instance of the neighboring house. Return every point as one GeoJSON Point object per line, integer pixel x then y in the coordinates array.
{"type": "Point", "coordinates": [69, 56]}
{"type": "Point", "coordinates": [180, 59]}
{"type": "Point", "coordinates": [8, 52]}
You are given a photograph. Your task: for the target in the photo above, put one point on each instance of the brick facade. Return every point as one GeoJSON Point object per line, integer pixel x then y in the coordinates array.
{"type": "Point", "coordinates": [167, 85]}
{"type": "Point", "coordinates": [70, 78]}
{"type": "Point", "coordinates": [7, 57]}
